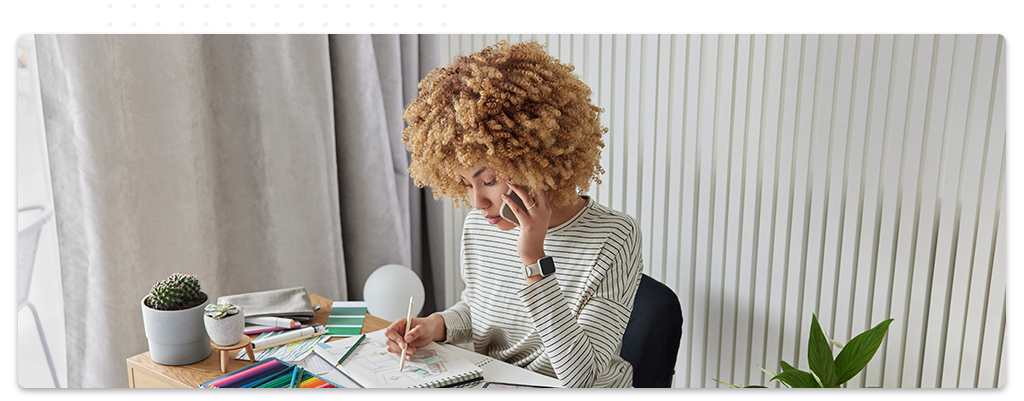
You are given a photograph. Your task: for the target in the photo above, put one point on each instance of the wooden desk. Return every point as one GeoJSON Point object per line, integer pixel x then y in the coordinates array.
{"type": "Point", "coordinates": [144, 373]}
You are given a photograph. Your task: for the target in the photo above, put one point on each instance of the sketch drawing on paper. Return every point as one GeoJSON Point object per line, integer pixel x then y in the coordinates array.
{"type": "Point", "coordinates": [373, 358]}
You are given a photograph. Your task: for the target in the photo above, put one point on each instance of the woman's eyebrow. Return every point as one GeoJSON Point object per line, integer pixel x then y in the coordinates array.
{"type": "Point", "coordinates": [477, 174]}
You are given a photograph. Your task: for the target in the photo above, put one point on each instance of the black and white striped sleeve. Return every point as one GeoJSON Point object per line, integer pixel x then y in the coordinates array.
{"type": "Point", "coordinates": [581, 345]}
{"type": "Point", "coordinates": [458, 325]}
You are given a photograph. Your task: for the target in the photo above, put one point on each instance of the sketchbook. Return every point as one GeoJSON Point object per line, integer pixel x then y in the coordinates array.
{"type": "Point", "coordinates": [495, 370]}
{"type": "Point", "coordinates": [371, 365]}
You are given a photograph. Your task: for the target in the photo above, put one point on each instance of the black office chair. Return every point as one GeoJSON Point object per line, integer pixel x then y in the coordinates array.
{"type": "Point", "coordinates": [652, 335]}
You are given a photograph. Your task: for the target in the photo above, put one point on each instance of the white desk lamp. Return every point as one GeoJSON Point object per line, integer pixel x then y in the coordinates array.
{"type": "Point", "coordinates": [388, 289]}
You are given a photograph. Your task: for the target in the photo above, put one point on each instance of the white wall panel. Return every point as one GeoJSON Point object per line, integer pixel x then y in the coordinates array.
{"type": "Point", "coordinates": [769, 282]}
{"type": "Point", "coordinates": [993, 322]}
{"type": "Point", "coordinates": [751, 197]}
{"type": "Point", "coordinates": [969, 188]}
{"type": "Point", "coordinates": [800, 195]}
{"type": "Point", "coordinates": [855, 177]}
{"type": "Point", "coordinates": [790, 162]}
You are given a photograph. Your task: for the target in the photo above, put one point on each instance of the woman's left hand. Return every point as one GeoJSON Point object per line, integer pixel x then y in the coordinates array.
{"type": "Point", "coordinates": [533, 223]}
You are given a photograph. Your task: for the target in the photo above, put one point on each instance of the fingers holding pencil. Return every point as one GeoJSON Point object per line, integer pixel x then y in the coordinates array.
{"type": "Point", "coordinates": [423, 331]}
{"type": "Point", "coordinates": [396, 338]}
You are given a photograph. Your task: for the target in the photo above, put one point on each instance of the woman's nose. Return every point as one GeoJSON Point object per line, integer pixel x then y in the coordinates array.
{"type": "Point", "coordinates": [478, 200]}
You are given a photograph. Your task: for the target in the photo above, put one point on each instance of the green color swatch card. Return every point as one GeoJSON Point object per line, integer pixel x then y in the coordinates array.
{"type": "Point", "coordinates": [346, 319]}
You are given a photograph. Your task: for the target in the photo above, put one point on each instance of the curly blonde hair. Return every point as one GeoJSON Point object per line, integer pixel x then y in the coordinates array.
{"type": "Point", "coordinates": [513, 108]}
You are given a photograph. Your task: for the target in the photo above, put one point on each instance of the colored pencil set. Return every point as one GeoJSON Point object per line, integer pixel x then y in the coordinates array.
{"type": "Point", "coordinates": [271, 373]}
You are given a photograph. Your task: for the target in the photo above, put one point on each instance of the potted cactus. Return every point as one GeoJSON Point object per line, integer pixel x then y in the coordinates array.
{"type": "Point", "coordinates": [224, 323]}
{"type": "Point", "coordinates": [172, 314]}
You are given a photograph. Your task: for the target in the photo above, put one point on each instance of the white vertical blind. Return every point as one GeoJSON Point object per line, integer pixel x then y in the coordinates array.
{"type": "Point", "coordinates": [856, 177]}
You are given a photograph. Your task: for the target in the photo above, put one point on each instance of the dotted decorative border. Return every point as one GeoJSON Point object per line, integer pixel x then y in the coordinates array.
{"type": "Point", "coordinates": [276, 14]}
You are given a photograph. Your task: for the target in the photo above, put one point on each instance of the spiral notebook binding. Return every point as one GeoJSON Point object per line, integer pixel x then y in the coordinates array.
{"type": "Point", "coordinates": [455, 381]}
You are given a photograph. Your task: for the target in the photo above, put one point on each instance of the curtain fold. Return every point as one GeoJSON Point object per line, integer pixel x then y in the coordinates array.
{"type": "Point", "coordinates": [214, 155]}
{"type": "Point", "coordinates": [375, 77]}
{"type": "Point", "coordinates": [420, 55]}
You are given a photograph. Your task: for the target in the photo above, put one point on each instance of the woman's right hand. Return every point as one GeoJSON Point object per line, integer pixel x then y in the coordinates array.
{"type": "Point", "coordinates": [421, 332]}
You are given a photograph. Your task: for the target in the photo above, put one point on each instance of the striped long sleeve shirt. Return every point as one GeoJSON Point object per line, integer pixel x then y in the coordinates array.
{"type": "Point", "coordinates": [568, 325]}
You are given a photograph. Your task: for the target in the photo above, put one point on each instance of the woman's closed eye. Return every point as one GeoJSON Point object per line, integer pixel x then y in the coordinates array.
{"type": "Point", "coordinates": [492, 182]}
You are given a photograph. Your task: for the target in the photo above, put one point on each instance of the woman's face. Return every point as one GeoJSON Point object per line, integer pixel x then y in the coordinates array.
{"type": "Point", "coordinates": [485, 190]}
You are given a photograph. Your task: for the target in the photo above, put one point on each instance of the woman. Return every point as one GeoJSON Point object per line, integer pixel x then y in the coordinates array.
{"type": "Point", "coordinates": [552, 294]}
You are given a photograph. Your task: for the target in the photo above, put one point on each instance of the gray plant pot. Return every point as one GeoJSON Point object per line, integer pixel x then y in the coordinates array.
{"type": "Point", "coordinates": [176, 337]}
{"type": "Point", "coordinates": [226, 330]}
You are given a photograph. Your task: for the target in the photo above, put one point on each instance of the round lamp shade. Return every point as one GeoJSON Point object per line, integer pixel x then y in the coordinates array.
{"type": "Point", "coordinates": [388, 289]}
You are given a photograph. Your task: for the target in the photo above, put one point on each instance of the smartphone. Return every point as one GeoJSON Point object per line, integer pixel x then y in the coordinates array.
{"type": "Point", "coordinates": [506, 212]}
{"type": "Point", "coordinates": [510, 385]}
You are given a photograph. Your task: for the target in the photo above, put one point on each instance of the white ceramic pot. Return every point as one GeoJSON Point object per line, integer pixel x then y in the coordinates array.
{"type": "Point", "coordinates": [176, 337]}
{"type": "Point", "coordinates": [226, 330]}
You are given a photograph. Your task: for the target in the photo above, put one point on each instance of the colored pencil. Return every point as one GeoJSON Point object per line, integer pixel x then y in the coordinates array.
{"type": "Point", "coordinates": [272, 373]}
{"type": "Point", "coordinates": [294, 372]}
{"type": "Point", "coordinates": [260, 379]}
{"type": "Point", "coordinates": [263, 378]}
{"type": "Point", "coordinates": [281, 379]}
{"type": "Point", "coordinates": [314, 383]}
{"type": "Point", "coordinates": [353, 348]}
{"type": "Point", "coordinates": [246, 373]}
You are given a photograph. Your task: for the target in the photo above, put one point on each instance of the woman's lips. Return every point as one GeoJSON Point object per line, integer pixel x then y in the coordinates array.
{"type": "Point", "coordinates": [493, 219]}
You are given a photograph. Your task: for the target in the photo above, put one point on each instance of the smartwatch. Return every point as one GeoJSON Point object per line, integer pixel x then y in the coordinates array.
{"type": "Point", "coordinates": [544, 267]}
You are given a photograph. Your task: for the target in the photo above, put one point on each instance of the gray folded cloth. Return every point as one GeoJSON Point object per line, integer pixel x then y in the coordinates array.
{"type": "Point", "coordinates": [291, 303]}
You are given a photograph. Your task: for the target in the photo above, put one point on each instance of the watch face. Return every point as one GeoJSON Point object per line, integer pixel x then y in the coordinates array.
{"type": "Point", "coordinates": [547, 266]}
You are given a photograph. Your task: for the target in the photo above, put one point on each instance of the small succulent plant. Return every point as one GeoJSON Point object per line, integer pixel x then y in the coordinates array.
{"type": "Point", "coordinates": [177, 292]}
{"type": "Point", "coordinates": [219, 311]}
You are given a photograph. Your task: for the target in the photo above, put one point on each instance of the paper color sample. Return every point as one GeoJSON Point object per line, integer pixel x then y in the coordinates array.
{"type": "Point", "coordinates": [346, 319]}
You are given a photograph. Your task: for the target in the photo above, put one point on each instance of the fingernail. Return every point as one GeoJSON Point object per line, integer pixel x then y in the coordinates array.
{"type": "Point", "coordinates": [408, 339]}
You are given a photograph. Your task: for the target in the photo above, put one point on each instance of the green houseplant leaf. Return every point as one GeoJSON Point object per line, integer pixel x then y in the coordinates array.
{"type": "Point", "coordinates": [826, 371]}
{"type": "Point", "coordinates": [859, 351]}
{"type": "Point", "coordinates": [819, 355]}
{"type": "Point", "coordinates": [726, 384]}
{"type": "Point", "coordinates": [795, 378]}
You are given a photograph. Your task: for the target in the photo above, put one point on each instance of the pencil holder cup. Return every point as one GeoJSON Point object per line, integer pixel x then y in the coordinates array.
{"type": "Point", "coordinates": [224, 323]}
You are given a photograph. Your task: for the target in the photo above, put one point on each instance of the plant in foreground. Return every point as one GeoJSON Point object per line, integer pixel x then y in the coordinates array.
{"type": "Point", "coordinates": [826, 371]}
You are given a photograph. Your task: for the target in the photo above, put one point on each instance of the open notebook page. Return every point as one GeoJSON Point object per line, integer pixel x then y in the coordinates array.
{"type": "Point", "coordinates": [432, 365]}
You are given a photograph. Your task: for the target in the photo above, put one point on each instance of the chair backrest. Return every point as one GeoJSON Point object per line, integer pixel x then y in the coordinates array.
{"type": "Point", "coordinates": [651, 341]}
{"type": "Point", "coordinates": [28, 242]}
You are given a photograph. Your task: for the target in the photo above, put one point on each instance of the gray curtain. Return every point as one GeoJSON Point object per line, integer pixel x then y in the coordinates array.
{"type": "Point", "coordinates": [223, 156]}
{"type": "Point", "coordinates": [374, 79]}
